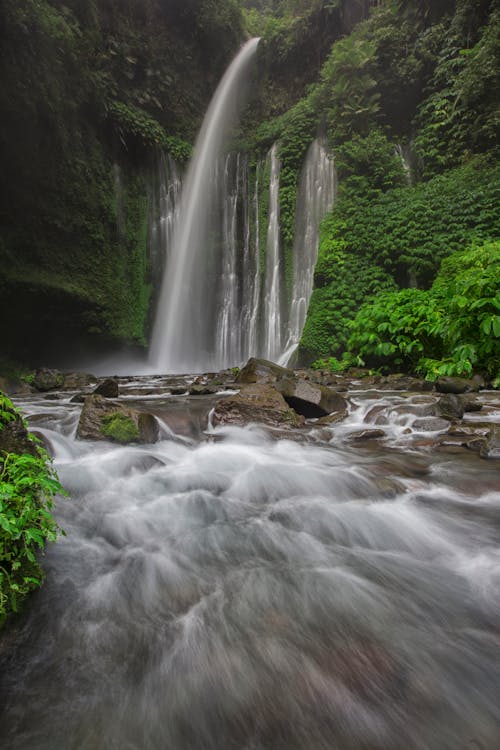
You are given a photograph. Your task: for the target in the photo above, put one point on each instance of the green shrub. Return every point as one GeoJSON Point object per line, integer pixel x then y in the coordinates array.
{"type": "Point", "coordinates": [451, 329]}
{"type": "Point", "coordinates": [28, 484]}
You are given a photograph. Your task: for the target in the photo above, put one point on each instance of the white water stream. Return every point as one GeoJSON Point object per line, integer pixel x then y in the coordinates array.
{"type": "Point", "coordinates": [246, 593]}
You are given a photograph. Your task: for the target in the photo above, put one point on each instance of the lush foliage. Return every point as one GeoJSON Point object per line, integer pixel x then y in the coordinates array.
{"type": "Point", "coordinates": [451, 329]}
{"type": "Point", "coordinates": [28, 484]}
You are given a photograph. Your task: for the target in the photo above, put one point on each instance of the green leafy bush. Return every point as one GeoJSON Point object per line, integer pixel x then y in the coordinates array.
{"type": "Point", "coordinates": [28, 484]}
{"type": "Point", "coordinates": [451, 329]}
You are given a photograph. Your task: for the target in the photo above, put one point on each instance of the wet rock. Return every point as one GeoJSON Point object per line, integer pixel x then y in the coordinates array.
{"type": "Point", "coordinates": [76, 380]}
{"type": "Point", "coordinates": [456, 385]}
{"type": "Point", "coordinates": [98, 413]}
{"type": "Point", "coordinates": [450, 407]}
{"type": "Point", "coordinates": [108, 388]}
{"type": "Point", "coordinates": [47, 380]}
{"type": "Point", "coordinates": [471, 404]}
{"type": "Point", "coordinates": [14, 435]}
{"type": "Point", "coordinates": [52, 397]}
{"type": "Point", "coordinates": [491, 447]}
{"type": "Point", "coordinates": [202, 390]}
{"type": "Point", "coordinates": [262, 371]}
{"type": "Point", "coordinates": [366, 435]}
{"type": "Point", "coordinates": [430, 424]}
{"type": "Point", "coordinates": [78, 398]}
{"type": "Point", "coordinates": [310, 399]}
{"type": "Point", "coordinates": [258, 403]}
{"type": "Point", "coordinates": [14, 387]}
{"type": "Point", "coordinates": [330, 419]}
{"type": "Point", "coordinates": [178, 390]}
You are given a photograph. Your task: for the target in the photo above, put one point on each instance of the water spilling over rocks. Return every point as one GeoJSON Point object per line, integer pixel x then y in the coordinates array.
{"type": "Point", "coordinates": [234, 587]}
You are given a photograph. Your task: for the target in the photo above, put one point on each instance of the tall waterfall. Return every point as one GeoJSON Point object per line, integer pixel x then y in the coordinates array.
{"type": "Point", "coordinates": [316, 194]}
{"type": "Point", "coordinates": [184, 320]}
{"type": "Point", "coordinates": [225, 295]}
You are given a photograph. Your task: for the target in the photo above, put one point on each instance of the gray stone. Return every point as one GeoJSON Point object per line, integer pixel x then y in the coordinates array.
{"type": "Point", "coordinates": [262, 371]}
{"type": "Point", "coordinates": [47, 380]}
{"type": "Point", "coordinates": [366, 435]}
{"type": "Point", "coordinates": [95, 410]}
{"type": "Point", "coordinates": [430, 424]}
{"type": "Point", "coordinates": [258, 403]}
{"type": "Point", "coordinates": [456, 385]}
{"type": "Point", "coordinates": [108, 388]}
{"type": "Point", "coordinates": [310, 399]}
{"type": "Point", "coordinates": [450, 406]}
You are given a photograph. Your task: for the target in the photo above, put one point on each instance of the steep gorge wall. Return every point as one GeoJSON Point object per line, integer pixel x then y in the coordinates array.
{"type": "Point", "coordinates": [88, 87]}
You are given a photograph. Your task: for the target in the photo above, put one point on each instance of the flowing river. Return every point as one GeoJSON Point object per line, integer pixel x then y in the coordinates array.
{"type": "Point", "coordinates": [224, 590]}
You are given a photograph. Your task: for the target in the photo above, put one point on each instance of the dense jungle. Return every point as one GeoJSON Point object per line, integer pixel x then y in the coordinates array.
{"type": "Point", "coordinates": [249, 373]}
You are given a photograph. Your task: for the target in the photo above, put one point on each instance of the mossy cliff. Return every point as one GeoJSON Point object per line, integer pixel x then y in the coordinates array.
{"type": "Point", "coordinates": [405, 99]}
{"type": "Point", "coordinates": [90, 87]}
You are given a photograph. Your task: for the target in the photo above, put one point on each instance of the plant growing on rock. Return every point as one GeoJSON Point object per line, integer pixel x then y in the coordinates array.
{"type": "Point", "coordinates": [28, 485]}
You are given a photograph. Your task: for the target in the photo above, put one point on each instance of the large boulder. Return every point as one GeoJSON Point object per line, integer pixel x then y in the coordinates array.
{"type": "Point", "coordinates": [258, 403]}
{"type": "Point", "coordinates": [310, 399]}
{"type": "Point", "coordinates": [108, 388]}
{"type": "Point", "coordinates": [450, 406]}
{"type": "Point", "coordinates": [102, 419]}
{"type": "Point", "coordinates": [456, 385]}
{"type": "Point", "coordinates": [75, 380]}
{"type": "Point", "coordinates": [262, 371]}
{"type": "Point", "coordinates": [13, 433]}
{"type": "Point", "coordinates": [47, 380]}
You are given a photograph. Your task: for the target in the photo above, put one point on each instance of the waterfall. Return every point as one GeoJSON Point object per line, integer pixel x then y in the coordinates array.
{"type": "Point", "coordinates": [224, 297]}
{"type": "Point", "coordinates": [164, 210]}
{"type": "Point", "coordinates": [272, 289]}
{"type": "Point", "coordinates": [316, 194]}
{"type": "Point", "coordinates": [184, 319]}
{"type": "Point", "coordinates": [404, 155]}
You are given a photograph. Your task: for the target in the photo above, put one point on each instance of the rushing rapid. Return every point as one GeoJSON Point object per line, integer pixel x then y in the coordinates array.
{"type": "Point", "coordinates": [223, 589]}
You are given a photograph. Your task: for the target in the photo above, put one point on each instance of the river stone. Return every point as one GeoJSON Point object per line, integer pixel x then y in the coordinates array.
{"type": "Point", "coordinates": [258, 403]}
{"type": "Point", "coordinates": [108, 388]}
{"type": "Point", "coordinates": [310, 399]}
{"type": "Point", "coordinates": [450, 406]}
{"type": "Point", "coordinates": [96, 408]}
{"type": "Point", "coordinates": [456, 385]}
{"type": "Point", "coordinates": [430, 424]}
{"type": "Point", "coordinates": [491, 447]}
{"type": "Point", "coordinates": [366, 434]}
{"type": "Point", "coordinates": [14, 436]}
{"type": "Point", "coordinates": [262, 371]}
{"type": "Point", "coordinates": [15, 387]}
{"type": "Point", "coordinates": [73, 381]}
{"type": "Point", "coordinates": [336, 416]}
{"type": "Point", "coordinates": [47, 380]}
{"type": "Point", "coordinates": [202, 390]}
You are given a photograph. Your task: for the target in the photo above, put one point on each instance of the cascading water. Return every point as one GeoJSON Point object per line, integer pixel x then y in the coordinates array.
{"type": "Point", "coordinates": [250, 593]}
{"type": "Point", "coordinates": [223, 297]}
{"type": "Point", "coordinates": [164, 209]}
{"type": "Point", "coordinates": [317, 189]}
{"type": "Point", "coordinates": [184, 324]}
{"type": "Point", "coordinates": [274, 268]}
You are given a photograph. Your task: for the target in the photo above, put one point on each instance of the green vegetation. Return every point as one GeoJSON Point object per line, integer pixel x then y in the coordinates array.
{"type": "Point", "coordinates": [119, 428]}
{"type": "Point", "coordinates": [451, 329]}
{"type": "Point", "coordinates": [28, 484]}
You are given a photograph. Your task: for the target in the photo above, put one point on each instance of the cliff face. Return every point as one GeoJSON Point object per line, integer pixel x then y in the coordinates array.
{"type": "Point", "coordinates": [88, 88]}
